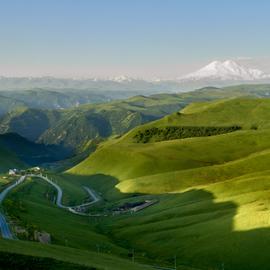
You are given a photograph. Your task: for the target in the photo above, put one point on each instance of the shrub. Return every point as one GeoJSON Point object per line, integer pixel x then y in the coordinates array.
{"type": "Point", "coordinates": [254, 127]}
{"type": "Point", "coordinates": [171, 133]}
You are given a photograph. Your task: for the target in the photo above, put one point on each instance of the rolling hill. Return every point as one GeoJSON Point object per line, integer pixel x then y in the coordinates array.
{"type": "Point", "coordinates": [74, 238]}
{"type": "Point", "coordinates": [250, 114]}
{"type": "Point", "coordinates": [92, 121]}
{"type": "Point", "coordinates": [50, 98]}
{"type": "Point", "coordinates": [213, 190]}
{"type": "Point", "coordinates": [76, 127]}
{"type": "Point", "coordinates": [206, 166]}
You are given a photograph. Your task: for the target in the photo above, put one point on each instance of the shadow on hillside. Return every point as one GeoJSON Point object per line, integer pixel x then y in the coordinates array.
{"type": "Point", "coordinates": [190, 225]}
{"type": "Point", "coordinates": [206, 235]}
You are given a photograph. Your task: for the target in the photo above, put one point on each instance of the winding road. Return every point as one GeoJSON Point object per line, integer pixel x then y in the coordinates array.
{"type": "Point", "coordinates": [4, 227]}
{"type": "Point", "coordinates": [5, 230]}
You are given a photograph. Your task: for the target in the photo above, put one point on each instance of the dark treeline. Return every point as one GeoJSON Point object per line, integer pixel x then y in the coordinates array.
{"type": "Point", "coordinates": [171, 133]}
{"type": "Point", "coordinates": [10, 261]}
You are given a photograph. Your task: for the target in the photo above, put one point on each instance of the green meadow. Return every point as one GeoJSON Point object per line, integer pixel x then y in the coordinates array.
{"type": "Point", "coordinates": [75, 239]}
{"type": "Point", "coordinates": [213, 193]}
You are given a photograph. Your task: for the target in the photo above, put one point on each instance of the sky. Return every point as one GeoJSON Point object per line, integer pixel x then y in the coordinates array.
{"type": "Point", "coordinates": [138, 38]}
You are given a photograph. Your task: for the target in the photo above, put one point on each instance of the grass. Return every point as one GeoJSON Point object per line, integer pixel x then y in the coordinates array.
{"type": "Point", "coordinates": [125, 160]}
{"type": "Point", "coordinates": [220, 223]}
{"type": "Point", "coordinates": [19, 261]}
{"type": "Point", "coordinates": [213, 192]}
{"type": "Point", "coordinates": [69, 233]}
{"type": "Point", "coordinates": [69, 255]}
{"type": "Point", "coordinates": [64, 227]}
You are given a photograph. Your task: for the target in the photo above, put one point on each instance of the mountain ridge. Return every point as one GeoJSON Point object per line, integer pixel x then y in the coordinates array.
{"type": "Point", "coordinates": [226, 70]}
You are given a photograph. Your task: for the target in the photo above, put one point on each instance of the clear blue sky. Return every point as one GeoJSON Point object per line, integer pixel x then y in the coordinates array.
{"type": "Point", "coordinates": [135, 37]}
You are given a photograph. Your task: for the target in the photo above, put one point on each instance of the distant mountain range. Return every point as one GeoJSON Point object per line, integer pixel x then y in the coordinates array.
{"type": "Point", "coordinates": [121, 83]}
{"type": "Point", "coordinates": [216, 73]}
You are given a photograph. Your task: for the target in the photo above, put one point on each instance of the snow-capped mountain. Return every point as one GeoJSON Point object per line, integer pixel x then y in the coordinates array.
{"type": "Point", "coordinates": [228, 70]}
{"type": "Point", "coordinates": [121, 78]}
{"type": "Point", "coordinates": [217, 74]}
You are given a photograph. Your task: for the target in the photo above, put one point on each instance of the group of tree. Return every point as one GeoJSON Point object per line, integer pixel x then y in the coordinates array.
{"type": "Point", "coordinates": [156, 134]}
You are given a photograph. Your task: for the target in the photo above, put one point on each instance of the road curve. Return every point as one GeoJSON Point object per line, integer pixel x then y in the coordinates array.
{"type": "Point", "coordinates": [4, 227]}
{"type": "Point", "coordinates": [59, 190]}
{"type": "Point", "coordinates": [4, 193]}
{"type": "Point", "coordinates": [73, 208]}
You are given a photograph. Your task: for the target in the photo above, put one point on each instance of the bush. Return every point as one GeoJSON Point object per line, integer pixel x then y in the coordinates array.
{"type": "Point", "coordinates": [171, 133]}
{"type": "Point", "coordinates": [254, 127]}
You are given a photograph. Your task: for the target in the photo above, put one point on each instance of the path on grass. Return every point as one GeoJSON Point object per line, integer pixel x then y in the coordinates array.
{"type": "Point", "coordinates": [4, 227]}
{"type": "Point", "coordinates": [73, 208]}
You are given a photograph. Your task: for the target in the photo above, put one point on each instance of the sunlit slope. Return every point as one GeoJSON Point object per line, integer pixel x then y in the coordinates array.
{"type": "Point", "coordinates": [213, 191]}
{"type": "Point", "coordinates": [245, 112]}
{"type": "Point", "coordinates": [210, 225]}
{"type": "Point", "coordinates": [125, 159]}
{"type": "Point", "coordinates": [186, 179]}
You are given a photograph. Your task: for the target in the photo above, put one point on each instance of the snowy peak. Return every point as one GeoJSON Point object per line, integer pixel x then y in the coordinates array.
{"type": "Point", "coordinates": [227, 70]}
{"type": "Point", "coordinates": [121, 79]}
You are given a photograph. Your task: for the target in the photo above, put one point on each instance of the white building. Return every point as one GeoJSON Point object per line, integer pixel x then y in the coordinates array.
{"type": "Point", "coordinates": [12, 171]}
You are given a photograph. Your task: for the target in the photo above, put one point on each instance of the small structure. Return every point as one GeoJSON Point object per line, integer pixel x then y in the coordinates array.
{"type": "Point", "coordinates": [12, 171]}
{"type": "Point", "coordinates": [42, 237]}
{"type": "Point", "coordinates": [140, 207]}
{"type": "Point", "coordinates": [133, 207]}
{"type": "Point", "coordinates": [21, 232]}
{"type": "Point", "coordinates": [36, 169]}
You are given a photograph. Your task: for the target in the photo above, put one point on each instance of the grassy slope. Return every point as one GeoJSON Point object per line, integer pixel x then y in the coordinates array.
{"type": "Point", "coordinates": [103, 120]}
{"type": "Point", "coordinates": [226, 222]}
{"type": "Point", "coordinates": [124, 159]}
{"type": "Point", "coordinates": [66, 229]}
{"type": "Point", "coordinates": [67, 254]}
{"type": "Point", "coordinates": [29, 123]}
{"type": "Point", "coordinates": [217, 211]}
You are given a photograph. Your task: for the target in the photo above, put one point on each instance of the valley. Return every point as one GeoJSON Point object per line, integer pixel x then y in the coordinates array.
{"type": "Point", "coordinates": [134, 135]}
{"type": "Point", "coordinates": [187, 186]}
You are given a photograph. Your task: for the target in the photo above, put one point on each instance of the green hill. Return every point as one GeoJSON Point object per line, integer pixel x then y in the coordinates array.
{"type": "Point", "coordinates": [206, 166]}
{"type": "Point", "coordinates": [22, 254]}
{"type": "Point", "coordinates": [48, 98]}
{"type": "Point", "coordinates": [29, 123]}
{"type": "Point", "coordinates": [213, 190]}
{"type": "Point", "coordinates": [74, 238]}
{"type": "Point", "coordinates": [104, 120]}
{"type": "Point", "coordinates": [75, 127]}
{"type": "Point", "coordinates": [129, 158]}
